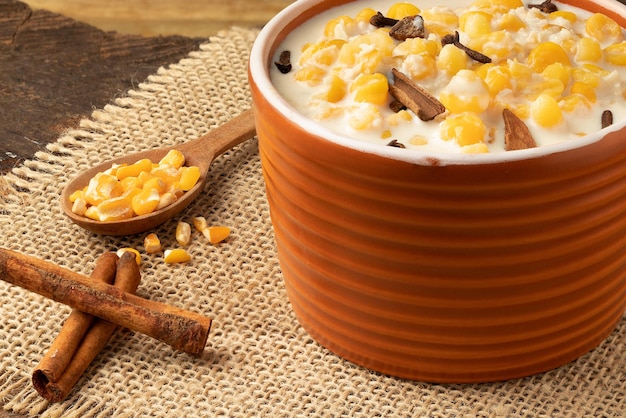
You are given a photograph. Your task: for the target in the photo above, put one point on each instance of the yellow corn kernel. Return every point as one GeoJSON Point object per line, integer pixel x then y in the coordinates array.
{"type": "Point", "coordinates": [322, 53]}
{"type": "Point", "coordinates": [145, 176]}
{"type": "Point", "coordinates": [588, 49]}
{"type": "Point", "coordinates": [366, 52]}
{"type": "Point", "coordinates": [574, 102]}
{"type": "Point", "coordinates": [365, 15]}
{"type": "Point", "coordinates": [183, 233]}
{"type": "Point", "coordinates": [101, 187]}
{"type": "Point", "coordinates": [166, 199]}
{"type": "Point", "coordinates": [441, 15]}
{"type": "Point", "coordinates": [547, 53]}
{"type": "Point", "coordinates": [216, 234]}
{"type": "Point", "coordinates": [402, 10]}
{"type": "Point", "coordinates": [499, 5]}
{"type": "Point", "coordinates": [550, 86]}
{"type": "Point", "coordinates": [310, 74]}
{"type": "Point", "coordinates": [496, 78]}
{"type": "Point", "coordinates": [497, 45]}
{"type": "Point", "coordinates": [545, 111]}
{"type": "Point", "coordinates": [136, 253]}
{"type": "Point", "coordinates": [189, 176]}
{"type": "Point", "coordinates": [177, 255]}
{"type": "Point", "coordinates": [417, 46]}
{"type": "Point", "coordinates": [395, 119]}
{"type": "Point", "coordinates": [584, 89]}
{"type": "Point", "coordinates": [480, 148]}
{"type": "Point", "coordinates": [475, 23]}
{"type": "Point", "coordinates": [520, 72]}
{"type": "Point", "coordinates": [145, 201]}
{"type": "Point", "coordinates": [336, 90]}
{"type": "Point", "coordinates": [130, 183]}
{"type": "Point", "coordinates": [79, 206]}
{"type": "Point", "coordinates": [465, 128]}
{"type": "Point", "coordinates": [452, 60]}
{"type": "Point", "coordinates": [386, 134]}
{"type": "Point", "coordinates": [563, 14]}
{"type": "Point", "coordinates": [557, 71]}
{"type": "Point", "coordinates": [152, 243]}
{"type": "Point", "coordinates": [370, 88]}
{"type": "Point", "coordinates": [616, 53]}
{"type": "Point", "coordinates": [133, 170]}
{"type": "Point", "coordinates": [418, 140]}
{"type": "Point", "coordinates": [92, 213]}
{"type": "Point", "coordinates": [173, 158]}
{"type": "Point", "coordinates": [336, 27]}
{"type": "Point", "coordinates": [521, 111]}
{"type": "Point", "coordinates": [587, 75]}
{"type": "Point", "coordinates": [155, 183]}
{"type": "Point", "coordinates": [115, 209]}
{"type": "Point", "coordinates": [166, 173]}
{"type": "Point", "coordinates": [603, 28]}
{"type": "Point", "coordinates": [511, 22]}
{"type": "Point", "coordinates": [78, 194]}
{"type": "Point", "coordinates": [466, 92]}
{"type": "Point", "coordinates": [365, 117]}
{"type": "Point", "coordinates": [200, 223]}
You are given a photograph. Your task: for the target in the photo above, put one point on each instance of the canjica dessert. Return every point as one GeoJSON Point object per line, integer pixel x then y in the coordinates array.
{"type": "Point", "coordinates": [485, 76]}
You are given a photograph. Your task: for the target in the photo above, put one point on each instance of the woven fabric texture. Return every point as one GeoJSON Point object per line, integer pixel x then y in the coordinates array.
{"type": "Point", "coordinates": [258, 360]}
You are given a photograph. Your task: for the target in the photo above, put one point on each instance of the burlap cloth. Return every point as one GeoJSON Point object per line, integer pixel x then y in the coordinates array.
{"type": "Point", "coordinates": [258, 361]}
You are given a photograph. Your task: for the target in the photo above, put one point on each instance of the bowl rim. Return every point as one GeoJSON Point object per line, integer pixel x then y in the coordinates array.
{"type": "Point", "coordinates": [260, 60]}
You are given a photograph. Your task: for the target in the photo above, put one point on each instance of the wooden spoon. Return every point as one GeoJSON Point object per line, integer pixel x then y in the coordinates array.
{"type": "Point", "coordinates": [200, 152]}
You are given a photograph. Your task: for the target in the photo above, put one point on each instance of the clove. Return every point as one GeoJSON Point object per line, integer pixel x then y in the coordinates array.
{"type": "Point", "coordinates": [284, 62]}
{"type": "Point", "coordinates": [455, 40]}
{"type": "Point", "coordinates": [607, 118]}
{"type": "Point", "coordinates": [380, 21]}
{"type": "Point", "coordinates": [546, 7]}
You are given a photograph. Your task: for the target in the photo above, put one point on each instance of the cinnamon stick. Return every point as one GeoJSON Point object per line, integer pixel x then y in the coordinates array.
{"type": "Point", "coordinates": [127, 278]}
{"type": "Point", "coordinates": [415, 98]}
{"type": "Point", "coordinates": [183, 330]}
{"type": "Point", "coordinates": [74, 328]}
{"type": "Point", "coordinates": [516, 134]}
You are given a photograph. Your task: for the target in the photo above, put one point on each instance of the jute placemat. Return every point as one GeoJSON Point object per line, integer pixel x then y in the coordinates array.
{"type": "Point", "coordinates": [258, 361]}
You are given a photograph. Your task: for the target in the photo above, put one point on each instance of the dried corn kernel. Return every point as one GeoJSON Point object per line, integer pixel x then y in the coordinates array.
{"type": "Point", "coordinates": [136, 253]}
{"type": "Point", "coordinates": [166, 199]}
{"type": "Point", "coordinates": [183, 233]}
{"type": "Point", "coordinates": [155, 183]}
{"type": "Point", "coordinates": [115, 209]}
{"type": "Point", "coordinates": [547, 53]}
{"type": "Point", "coordinates": [584, 89]}
{"type": "Point", "coordinates": [146, 201]}
{"type": "Point", "coordinates": [134, 169]}
{"type": "Point", "coordinates": [402, 10]}
{"type": "Point", "coordinates": [370, 88]}
{"type": "Point", "coordinates": [189, 177]}
{"type": "Point", "coordinates": [173, 158]}
{"type": "Point", "coordinates": [79, 206]}
{"type": "Point", "coordinates": [616, 53]}
{"type": "Point", "coordinates": [216, 234]}
{"type": "Point", "coordinates": [545, 111]}
{"type": "Point", "coordinates": [603, 28]}
{"type": "Point", "coordinates": [177, 255]}
{"type": "Point", "coordinates": [200, 223]}
{"type": "Point", "coordinates": [152, 243]}
{"type": "Point", "coordinates": [466, 129]}
{"type": "Point", "coordinates": [102, 187]}
{"type": "Point", "coordinates": [475, 23]}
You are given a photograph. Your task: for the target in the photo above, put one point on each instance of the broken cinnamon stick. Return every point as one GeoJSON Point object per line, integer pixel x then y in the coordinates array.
{"type": "Point", "coordinates": [127, 278]}
{"type": "Point", "coordinates": [183, 330]}
{"type": "Point", "coordinates": [516, 133]}
{"type": "Point", "coordinates": [415, 98]}
{"type": "Point", "coordinates": [52, 365]}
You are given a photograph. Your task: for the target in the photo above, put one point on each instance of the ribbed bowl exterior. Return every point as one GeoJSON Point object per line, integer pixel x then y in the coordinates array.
{"type": "Point", "coordinates": [448, 273]}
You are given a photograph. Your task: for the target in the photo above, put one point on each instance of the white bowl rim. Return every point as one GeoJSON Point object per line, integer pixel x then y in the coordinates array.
{"type": "Point", "coordinates": [259, 63]}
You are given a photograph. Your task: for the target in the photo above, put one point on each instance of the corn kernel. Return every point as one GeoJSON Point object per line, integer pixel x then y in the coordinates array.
{"type": "Point", "coordinates": [136, 253]}
{"type": "Point", "coordinates": [130, 183]}
{"type": "Point", "coordinates": [183, 233]}
{"type": "Point", "coordinates": [588, 49]}
{"type": "Point", "coordinates": [563, 14]}
{"type": "Point", "coordinates": [336, 90]}
{"type": "Point", "coordinates": [465, 128]}
{"type": "Point", "coordinates": [574, 102]}
{"type": "Point", "coordinates": [443, 16]}
{"type": "Point", "coordinates": [557, 71]}
{"type": "Point", "coordinates": [155, 183]}
{"type": "Point", "coordinates": [496, 78]}
{"type": "Point", "coordinates": [337, 27]}
{"type": "Point", "coordinates": [603, 28]}
{"type": "Point", "coordinates": [584, 89]}
{"type": "Point", "coordinates": [395, 119]}
{"type": "Point", "coordinates": [418, 140]}
{"type": "Point", "coordinates": [497, 5]}
{"type": "Point", "coordinates": [134, 169]}
{"type": "Point", "coordinates": [216, 234]}
{"type": "Point", "coordinates": [545, 111]}
{"type": "Point", "coordinates": [177, 255]}
{"type": "Point", "coordinates": [497, 45]}
{"type": "Point", "coordinates": [115, 209]}
{"type": "Point", "coordinates": [475, 23]}
{"type": "Point", "coordinates": [452, 60]}
{"type": "Point", "coordinates": [402, 10]}
{"type": "Point", "coordinates": [419, 66]}
{"type": "Point", "coordinates": [417, 46]}
{"type": "Point", "coordinates": [79, 206]}
{"type": "Point", "coordinates": [322, 53]}
{"type": "Point", "coordinates": [370, 88]}
{"type": "Point", "coordinates": [511, 22]}
{"type": "Point", "coordinates": [166, 199]}
{"type": "Point", "coordinates": [310, 74]}
{"type": "Point", "coordinates": [365, 15]}
{"type": "Point", "coordinates": [101, 187]}
{"type": "Point", "coordinates": [173, 158]}
{"type": "Point", "coordinates": [480, 148]}
{"type": "Point", "coordinates": [466, 92]}
{"type": "Point", "coordinates": [166, 173]}
{"type": "Point", "coordinates": [547, 53]}
{"type": "Point", "coordinates": [551, 86]}
{"type": "Point", "coordinates": [145, 201]}
{"type": "Point", "coordinates": [366, 52]}
{"type": "Point", "coordinates": [200, 223]}
{"type": "Point", "coordinates": [152, 243]}
{"type": "Point", "coordinates": [92, 213]}
{"type": "Point", "coordinates": [616, 53]}
{"type": "Point", "coordinates": [189, 176]}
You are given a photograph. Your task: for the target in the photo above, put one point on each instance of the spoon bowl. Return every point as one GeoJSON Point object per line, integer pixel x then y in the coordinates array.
{"type": "Point", "coordinates": [200, 152]}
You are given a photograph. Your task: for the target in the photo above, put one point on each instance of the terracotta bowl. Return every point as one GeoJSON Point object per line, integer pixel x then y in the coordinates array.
{"type": "Point", "coordinates": [443, 268]}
